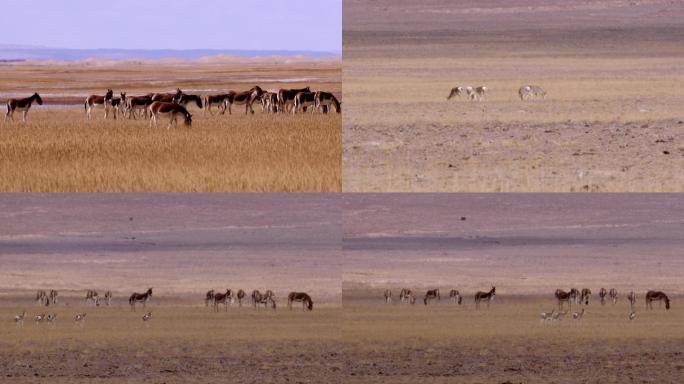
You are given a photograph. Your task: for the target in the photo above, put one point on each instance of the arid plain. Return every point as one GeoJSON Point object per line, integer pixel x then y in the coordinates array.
{"type": "Point", "coordinates": [181, 246]}
{"type": "Point", "coordinates": [527, 246]}
{"type": "Point", "coordinates": [612, 119]}
{"type": "Point", "coordinates": [58, 150]}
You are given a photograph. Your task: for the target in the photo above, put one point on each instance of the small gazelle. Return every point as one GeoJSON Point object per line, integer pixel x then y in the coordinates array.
{"type": "Point", "coordinates": [80, 318]}
{"type": "Point", "coordinates": [38, 318]}
{"type": "Point", "coordinates": [544, 316]}
{"type": "Point", "coordinates": [19, 319]}
{"type": "Point", "coordinates": [578, 315]}
{"type": "Point", "coordinates": [632, 316]}
{"type": "Point", "coordinates": [147, 316]}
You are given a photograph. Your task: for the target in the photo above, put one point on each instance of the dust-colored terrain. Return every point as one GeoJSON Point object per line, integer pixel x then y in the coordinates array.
{"type": "Point", "coordinates": [58, 150]}
{"type": "Point", "coordinates": [179, 344]}
{"type": "Point", "coordinates": [507, 343]}
{"type": "Point", "coordinates": [612, 120]}
{"type": "Point", "coordinates": [181, 245]}
{"type": "Point", "coordinates": [527, 245]}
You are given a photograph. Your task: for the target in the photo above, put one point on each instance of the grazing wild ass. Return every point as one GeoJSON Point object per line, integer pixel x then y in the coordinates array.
{"type": "Point", "coordinates": [286, 98]}
{"type": "Point", "coordinates": [327, 100]}
{"type": "Point", "coordinates": [170, 110]}
{"type": "Point", "coordinates": [302, 297]}
{"type": "Point", "coordinates": [659, 296]}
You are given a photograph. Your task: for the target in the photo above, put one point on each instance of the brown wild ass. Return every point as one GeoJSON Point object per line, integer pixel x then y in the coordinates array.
{"type": "Point", "coordinates": [302, 297]}
{"type": "Point", "coordinates": [22, 105]}
{"type": "Point", "coordinates": [95, 101]}
{"type": "Point", "coordinates": [170, 110]}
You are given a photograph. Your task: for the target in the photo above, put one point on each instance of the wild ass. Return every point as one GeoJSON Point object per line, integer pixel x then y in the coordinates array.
{"type": "Point", "coordinates": [302, 297]}
{"type": "Point", "coordinates": [432, 294]}
{"type": "Point", "coordinates": [95, 101]}
{"type": "Point", "coordinates": [286, 98]}
{"type": "Point", "coordinates": [304, 100]}
{"type": "Point", "coordinates": [22, 105]}
{"type": "Point", "coordinates": [484, 296]}
{"type": "Point", "coordinates": [327, 99]}
{"type": "Point", "coordinates": [139, 297]}
{"type": "Point", "coordinates": [170, 110]}
{"type": "Point", "coordinates": [247, 98]}
{"type": "Point", "coordinates": [455, 295]}
{"type": "Point", "coordinates": [218, 101]}
{"type": "Point", "coordinates": [659, 296]}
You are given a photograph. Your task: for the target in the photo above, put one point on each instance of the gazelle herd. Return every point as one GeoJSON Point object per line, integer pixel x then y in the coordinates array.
{"type": "Point", "coordinates": [174, 105]}
{"type": "Point", "coordinates": [525, 92]}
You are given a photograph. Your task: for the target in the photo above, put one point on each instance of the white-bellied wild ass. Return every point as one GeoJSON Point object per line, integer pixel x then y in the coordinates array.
{"type": "Point", "coordinates": [41, 296]}
{"type": "Point", "coordinates": [301, 297]}
{"type": "Point", "coordinates": [52, 297]}
{"type": "Point", "coordinates": [95, 101]}
{"type": "Point", "coordinates": [139, 297]}
{"type": "Point", "coordinates": [269, 102]}
{"type": "Point", "coordinates": [91, 295]}
{"type": "Point", "coordinates": [602, 295]}
{"type": "Point", "coordinates": [218, 101]}
{"type": "Point", "coordinates": [286, 98]}
{"type": "Point", "coordinates": [406, 296]}
{"type": "Point", "coordinates": [186, 99]}
{"type": "Point", "coordinates": [136, 103]}
{"type": "Point", "coordinates": [304, 100]}
{"type": "Point", "coordinates": [116, 103]}
{"type": "Point", "coordinates": [659, 296]}
{"type": "Point", "coordinates": [564, 297]}
{"type": "Point", "coordinates": [585, 295]}
{"type": "Point", "coordinates": [388, 296]}
{"type": "Point", "coordinates": [166, 97]}
{"type": "Point", "coordinates": [455, 295]}
{"type": "Point", "coordinates": [613, 294]}
{"type": "Point", "coordinates": [632, 299]}
{"type": "Point", "coordinates": [484, 296]}
{"type": "Point", "coordinates": [527, 92]}
{"type": "Point", "coordinates": [240, 296]}
{"type": "Point", "coordinates": [247, 98]}
{"type": "Point", "coordinates": [263, 298]}
{"type": "Point", "coordinates": [22, 105]}
{"type": "Point", "coordinates": [431, 294]}
{"type": "Point", "coordinates": [170, 110]}
{"type": "Point", "coordinates": [224, 298]}
{"type": "Point", "coordinates": [108, 298]}
{"type": "Point", "coordinates": [209, 297]}
{"type": "Point", "coordinates": [327, 99]}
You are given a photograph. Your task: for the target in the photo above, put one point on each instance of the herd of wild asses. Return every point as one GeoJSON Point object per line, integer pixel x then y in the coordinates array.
{"type": "Point", "coordinates": [565, 299]}
{"type": "Point", "coordinates": [173, 105]}
{"type": "Point", "coordinates": [525, 92]}
{"type": "Point", "coordinates": [229, 297]}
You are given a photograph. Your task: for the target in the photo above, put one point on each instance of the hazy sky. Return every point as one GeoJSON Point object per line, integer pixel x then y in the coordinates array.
{"type": "Point", "coordinates": [312, 25]}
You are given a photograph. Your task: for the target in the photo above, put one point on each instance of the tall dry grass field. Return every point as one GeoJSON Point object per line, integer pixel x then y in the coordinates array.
{"type": "Point", "coordinates": [58, 150]}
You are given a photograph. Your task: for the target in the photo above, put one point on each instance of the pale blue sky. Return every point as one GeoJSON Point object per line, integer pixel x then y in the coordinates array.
{"type": "Point", "coordinates": [311, 25]}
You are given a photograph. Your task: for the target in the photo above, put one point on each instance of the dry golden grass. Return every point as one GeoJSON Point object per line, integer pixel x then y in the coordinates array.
{"type": "Point", "coordinates": [59, 151]}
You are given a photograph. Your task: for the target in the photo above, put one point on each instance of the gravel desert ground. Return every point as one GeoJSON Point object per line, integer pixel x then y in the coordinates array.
{"type": "Point", "coordinates": [527, 245]}
{"type": "Point", "coordinates": [182, 246]}
{"type": "Point", "coordinates": [611, 121]}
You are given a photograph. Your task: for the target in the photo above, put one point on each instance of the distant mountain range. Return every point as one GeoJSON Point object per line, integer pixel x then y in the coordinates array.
{"type": "Point", "coordinates": [19, 52]}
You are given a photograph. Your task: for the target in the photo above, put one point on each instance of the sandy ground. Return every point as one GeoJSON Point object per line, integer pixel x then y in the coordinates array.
{"type": "Point", "coordinates": [507, 343]}
{"type": "Point", "coordinates": [527, 245]}
{"type": "Point", "coordinates": [522, 243]}
{"type": "Point", "coordinates": [179, 344]}
{"type": "Point", "coordinates": [612, 120]}
{"type": "Point", "coordinates": [180, 244]}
